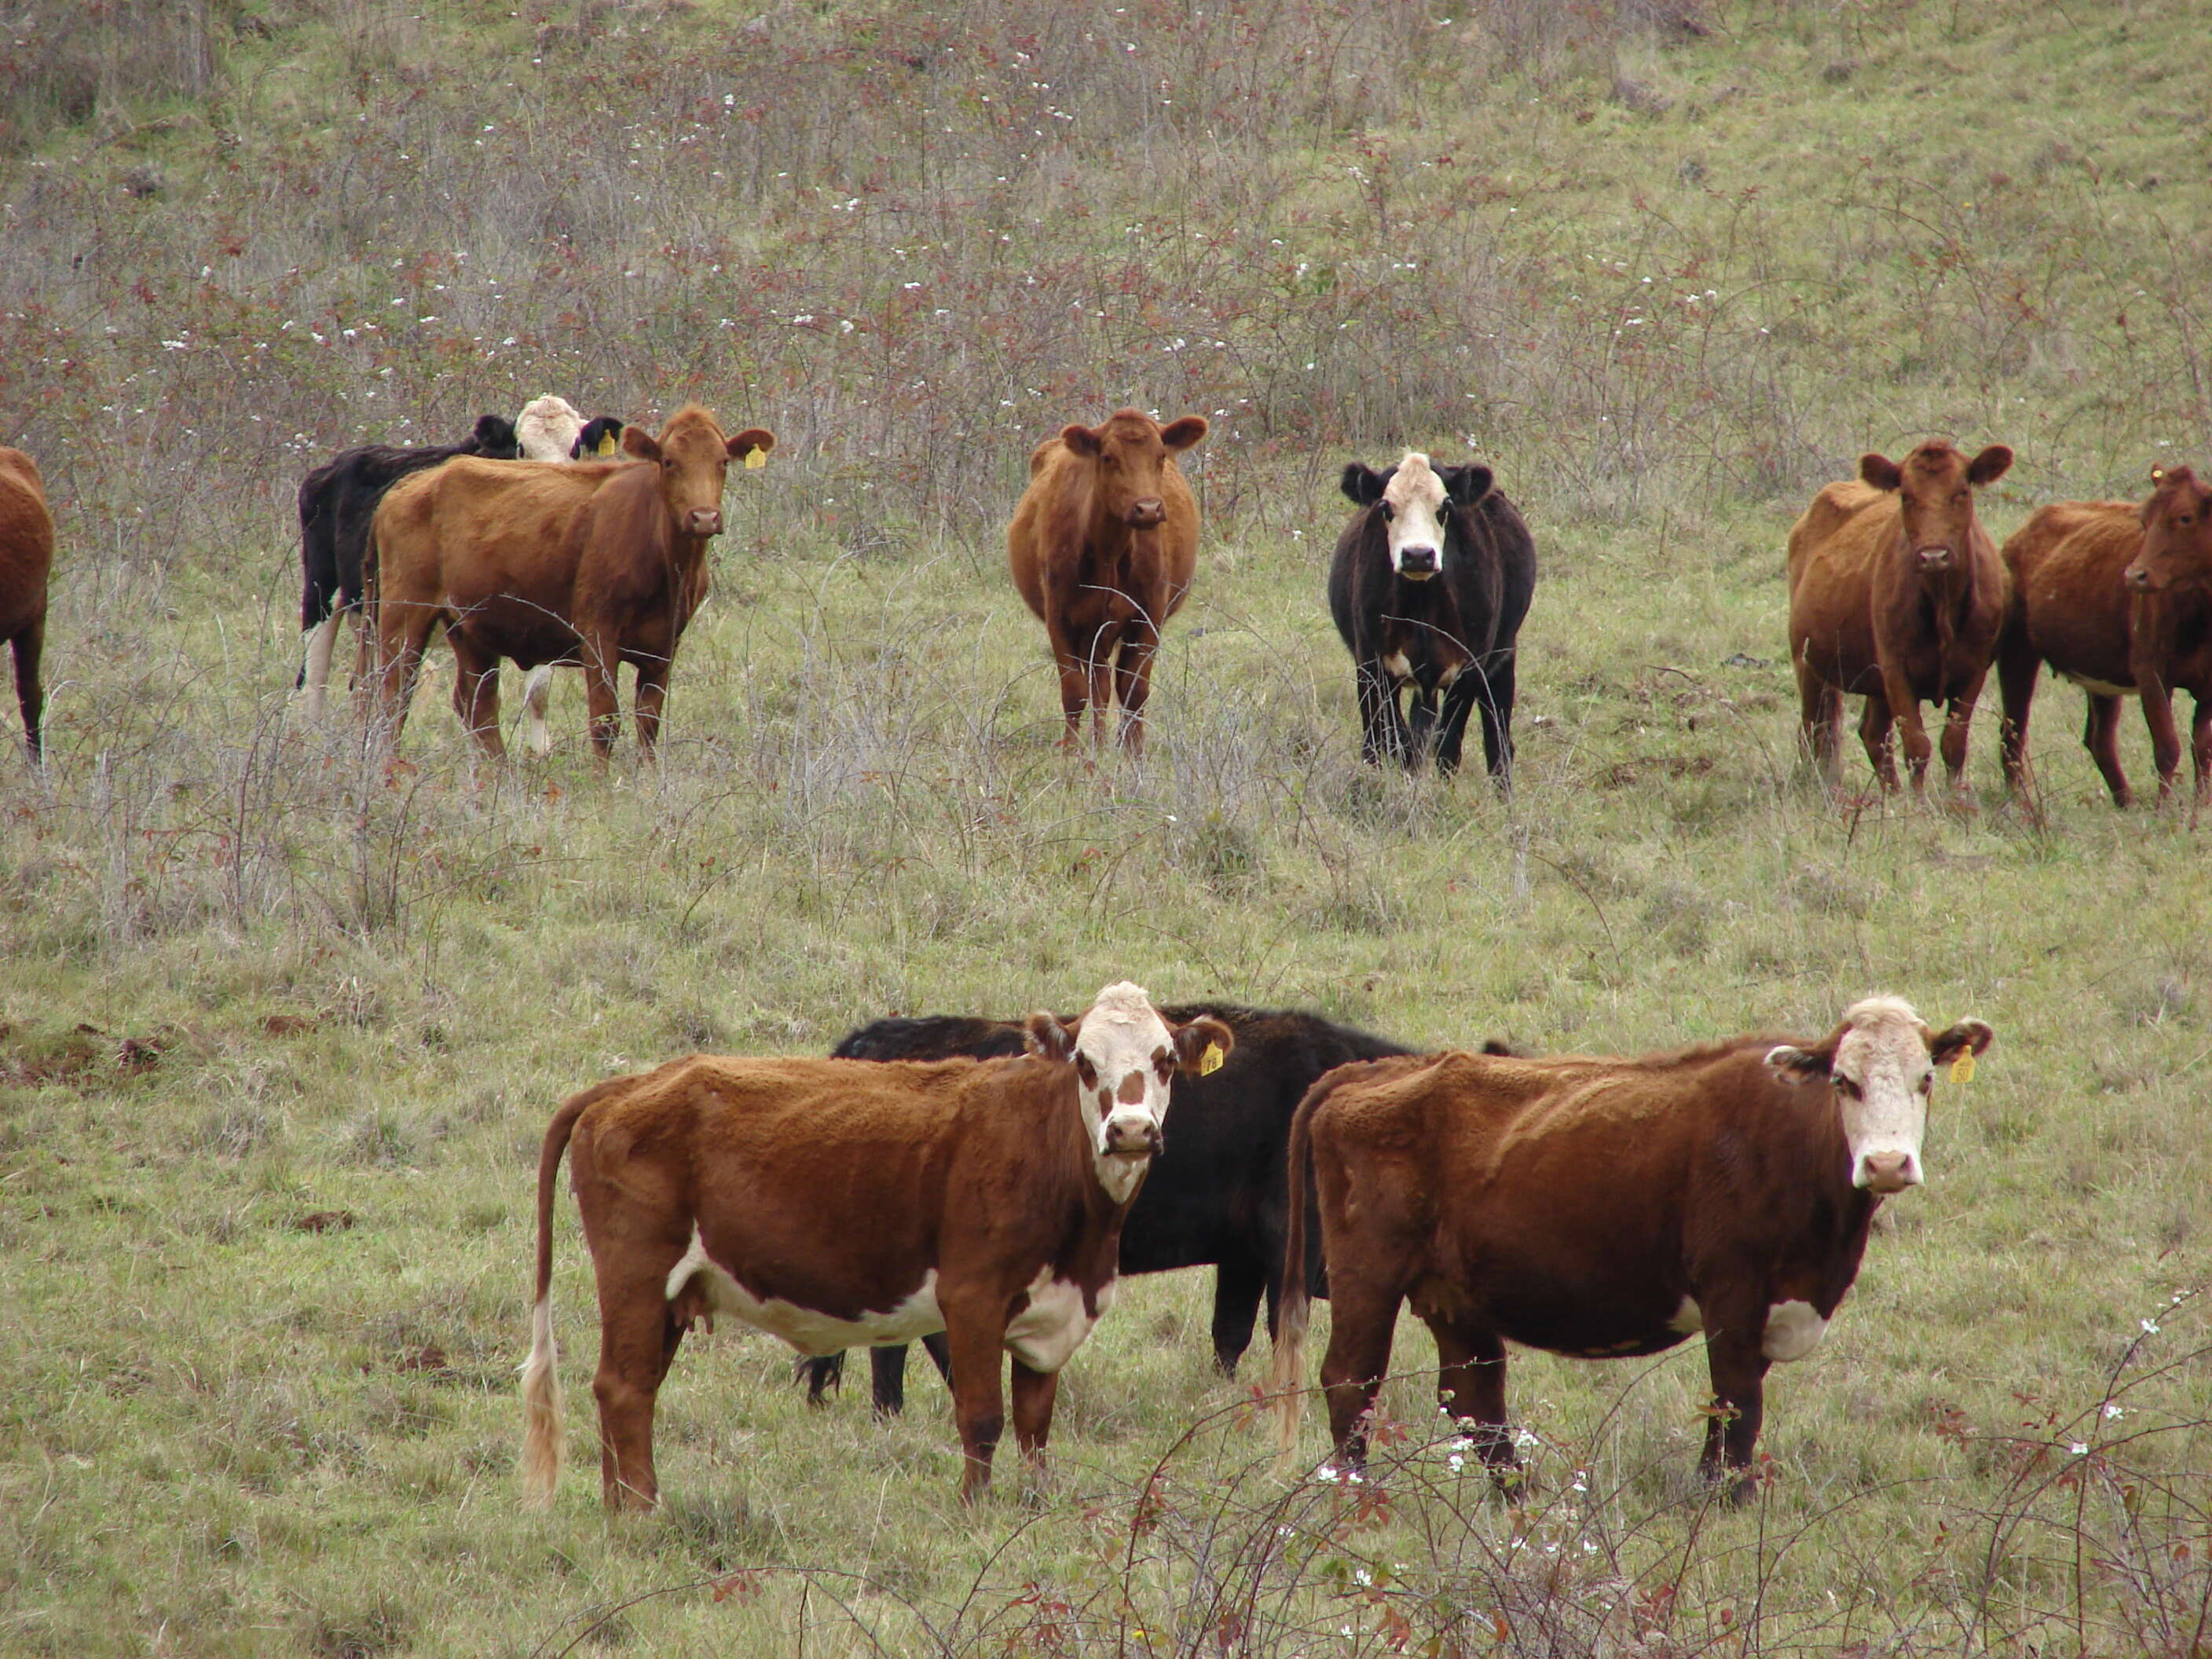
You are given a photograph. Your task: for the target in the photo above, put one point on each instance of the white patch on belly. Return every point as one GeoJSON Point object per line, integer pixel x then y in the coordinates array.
{"type": "Point", "coordinates": [2098, 688]}
{"type": "Point", "coordinates": [809, 1332]}
{"type": "Point", "coordinates": [1397, 663]}
{"type": "Point", "coordinates": [1793, 1330]}
{"type": "Point", "coordinates": [1053, 1326]}
{"type": "Point", "coordinates": [1689, 1319]}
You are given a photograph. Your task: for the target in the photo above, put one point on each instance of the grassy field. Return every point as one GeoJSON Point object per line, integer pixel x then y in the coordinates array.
{"type": "Point", "coordinates": [282, 1032]}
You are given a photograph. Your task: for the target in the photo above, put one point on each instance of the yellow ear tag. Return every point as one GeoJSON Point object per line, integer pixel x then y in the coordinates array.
{"type": "Point", "coordinates": [1210, 1062]}
{"type": "Point", "coordinates": [755, 460]}
{"type": "Point", "coordinates": [1962, 1069]}
{"type": "Point", "coordinates": [607, 444]}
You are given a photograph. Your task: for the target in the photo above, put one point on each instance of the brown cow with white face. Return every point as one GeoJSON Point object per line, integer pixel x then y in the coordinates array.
{"type": "Point", "coordinates": [593, 564]}
{"type": "Point", "coordinates": [27, 557]}
{"type": "Point", "coordinates": [1601, 1207]}
{"type": "Point", "coordinates": [1103, 547]}
{"type": "Point", "coordinates": [1896, 592]}
{"type": "Point", "coordinates": [838, 1203]}
{"type": "Point", "coordinates": [2088, 599]}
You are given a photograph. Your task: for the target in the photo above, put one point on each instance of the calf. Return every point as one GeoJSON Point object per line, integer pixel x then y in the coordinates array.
{"type": "Point", "coordinates": [1429, 586]}
{"type": "Point", "coordinates": [337, 502]}
{"type": "Point", "coordinates": [2074, 607]}
{"type": "Point", "coordinates": [1103, 547]}
{"type": "Point", "coordinates": [1601, 1207]}
{"type": "Point", "coordinates": [595, 564]}
{"type": "Point", "coordinates": [26, 558]}
{"type": "Point", "coordinates": [1896, 592]}
{"type": "Point", "coordinates": [836, 1201]}
{"type": "Point", "coordinates": [550, 429]}
{"type": "Point", "coordinates": [1215, 1194]}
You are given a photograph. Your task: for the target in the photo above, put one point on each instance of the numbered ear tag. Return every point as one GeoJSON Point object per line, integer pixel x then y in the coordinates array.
{"type": "Point", "coordinates": [1210, 1062]}
{"type": "Point", "coordinates": [1962, 1069]}
{"type": "Point", "coordinates": [607, 444]}
{"type": "Point", "coordinates": [755, 460]}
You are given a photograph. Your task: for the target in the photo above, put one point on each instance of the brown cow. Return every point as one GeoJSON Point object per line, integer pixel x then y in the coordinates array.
{"type": "Point", "coordinates": [1896, 592]}
{"type": "Point", "coordinates": [844, 1202]}
{"type": "Point", "coordinates": [594, 564]}
{"type": "Point", "coordinates": [1729, 1202]}
{"type": "Point", "coordinates": [26, 556]}
{"type": "Point", "coordinates": [1102, 546]}
{"type": "Point", "coordinates": [2077, 606]}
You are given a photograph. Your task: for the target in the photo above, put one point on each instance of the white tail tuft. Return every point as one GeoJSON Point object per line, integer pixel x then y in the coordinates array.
{"type": "Point", "coordinates": [541, 1409]}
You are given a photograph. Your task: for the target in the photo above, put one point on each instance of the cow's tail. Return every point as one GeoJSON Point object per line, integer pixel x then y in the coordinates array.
{"type": "Point", "coordinates": [541, 1382]}
{"type": "Point", "coordinates": [1288, 1382]}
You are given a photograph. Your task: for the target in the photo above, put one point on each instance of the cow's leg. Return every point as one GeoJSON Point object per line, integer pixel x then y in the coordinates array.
{"type": "Point", "coordinates": [651, 696]}
{"type": "Point", "coordinates": [401, 638]}
{"type": "Point", "coordinates": [2164, 736]}
{"type": "Point", "coordinates": [1821, 724]}
{"type": "Point", "coordinates": [1958, 722]}
{"type": "Point", "coordinates": [1874, 724]}
{"type": "Point", "coordinates": [824, 1372]}
{"type": "Point", "coordinates": [1132, 682]}
{"type": "Point", "coordinates": [1074, 677]}
{"type": "Point", "coordinates": [638, 1338]}
{"type": "Point", "coordinates": [1099, 661]}
{"type": "Point", "coordinates": [601, 662]}
{"type": "Point", "coordinates": [1238, 1285]}
{"type": "Point", "coordinates": [2200, 744]}
{"type": "Point", "coordinates": [1904, 707]}
{"type": "Point", "coordinates": [537, 692]}
{"type": "Point", "coordinates": [2017, 670]}
{"type": "Point", "coordinates": [1493, 697]}
{"type": "Point", "coordinates": [2101, 735]}
{"type": "Point", "coordinates": [887, 1378]}
{"type": "Point", "coordinates": [1735, 1350]}
{"type": "Point", "coordinates": [476, 692]}
{"type": "Point", "coordinates": [1471, 1386]}
{"type": "Point", "coordinates": [315, 675]}
{"type": "Point", "coordinates": [1034, 1393]}
{"type": "Point", "coordinates": [977, 1333]}
{"type": "Point", "coordinates": [1363, 1318]}
{"type": "Point", "coordinates": [30, 692]}
{"type": "Point", "coordinates": [1382, 734]}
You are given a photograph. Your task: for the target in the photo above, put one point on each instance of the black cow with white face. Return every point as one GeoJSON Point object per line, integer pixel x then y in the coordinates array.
{"type": "Point", "coordinates": [1429, 586]}
{"type": "Point", "coordinates": [337, 502]}
{"type": "Point", "coordinates": [1216, 1192]}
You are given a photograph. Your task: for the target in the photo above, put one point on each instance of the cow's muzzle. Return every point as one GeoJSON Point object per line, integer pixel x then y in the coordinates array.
{"type": "Point", "coordinates": [2138, 579]}
{"type": "Point", "coordinates": [703, 521]}
{"type": "Point", "coordinates": [1134, 1138]}
{"type": "Point", "coordinates": [1417, 563]}
{"type": "Point", "coordinates": [1889, 1172]}
{"type": "Point", "coordinates": [1933, 558]}
{"type": "Point", "coordinates": [1147, 513]}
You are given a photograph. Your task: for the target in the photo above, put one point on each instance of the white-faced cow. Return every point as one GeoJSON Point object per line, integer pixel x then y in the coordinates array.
{"type": "Point", "coordinates": [1430, 584]}
{"type": "Point", "coordinates": [1896, 592]}
{"type": "Point", "coordinates": [1601, 1207]}
{"type": "Point", "coordinates": [27, 557]}
{"type": "Point", "coordinates": [594, 564]}
{"type": "Point", "coordinates": [840, 1202]}
{"type": "Point", "coordinates": [337, 502]}
{"type": "Point", "coordinates": [1215, 1194]}
{"type": "Point", "coordinates": [1103, 547]}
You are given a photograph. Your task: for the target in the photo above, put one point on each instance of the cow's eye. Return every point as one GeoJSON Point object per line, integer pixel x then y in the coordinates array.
{"type": "Point", "coordinates": [1086, 1071]}
{"type": "Point", "coordinates": [1845, 1086]}
{"type": "Point", "coordinates": [1389, 513]}
{"type": "Point", "coordinates": [1927, 1083]}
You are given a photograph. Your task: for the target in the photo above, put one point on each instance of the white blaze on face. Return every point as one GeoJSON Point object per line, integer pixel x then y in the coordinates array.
{"type": "Point", "coordinates": [547, 428]}
{"type": "Point", "coordinates": [1124, 1057]}
{"type": "Point", "coordinates": [1882, 1073]}
{"type": "Point", "coordinates": [1414, 502]}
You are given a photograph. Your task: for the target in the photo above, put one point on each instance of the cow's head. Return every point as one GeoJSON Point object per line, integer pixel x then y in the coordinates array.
{"type": "Point", "coordinates": [1935, 486]}
{"type": "Point", "coordinates": [494, 439]}
{"type": "Point", "coordinates": [1881, 1062]}
{"type": "Point", "coordinates": [1418, 499]}
{"type": "Point", "coordinates": [1131, 452]}
{"type": "Point", "coordinates": [600, 440]}
{"type": "Point", "coordinates": [1124, 1055]}
{"type": "Point", "coordinates": [693, 456]}
{"type": "Point", "coordinates": [2177, 543]}
{"type": "Point", "coordinates": [547, 426]}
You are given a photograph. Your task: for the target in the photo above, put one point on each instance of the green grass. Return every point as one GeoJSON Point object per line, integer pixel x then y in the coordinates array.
{"type": "Point", "coordinates": [282, 1032]}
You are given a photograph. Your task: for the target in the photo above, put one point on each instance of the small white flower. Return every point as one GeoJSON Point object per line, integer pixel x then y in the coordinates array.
{"type": "Point", "coordinates": [1456, 1462]}
{"type": "Point", "coordinates": [2150, 1327]}
{"type": "Point", "coordinates": [2113, 1412]}
{"type": "Point", "coordinates": [2079, 1449]}
{"type": "Point", "coordinates": [1328, 1473]}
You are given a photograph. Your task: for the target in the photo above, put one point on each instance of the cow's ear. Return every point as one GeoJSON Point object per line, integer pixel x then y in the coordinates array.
{"type": "Point", "coordinates": [1362, 484]}
{"type": "Point", "coordinates": [1045, 1037]}
{"type": "Point", "coordinates": [1506, 1050]}
{"type": "Point", "coordinates": [494, 433]}
{"type": "Point", "coordinates": [752, 438]}
{"type": "Point", "coordinates": [1803, 1066]}
{"type": "Point", "coordinates": [1989, 466]}
{"type": "Point", "coordinates": [1968, 1037]}
{"type": "Point", "coordinates": [639, 444]}
{"type": "Point", "coordinates": [1202, 1045]}
{"type": "Point", "coordinates": [1881, 472]}
{"type": "Point", "coordinates": [1081, 439]}
{"type": "Point", "coordinates": [1183, 434]}
{"type": "Point", "coordinates": [1467, 484]}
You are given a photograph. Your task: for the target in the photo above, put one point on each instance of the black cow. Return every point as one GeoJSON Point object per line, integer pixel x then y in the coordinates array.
{"type": "Point", "coordinates": [598, 441]}
{"type": "Point", "coordinates": [337, 502]}
{"type": "Point", "coordinates": [1215, 1196]}
{"type": "Point", "coordinates": [1429, 585]}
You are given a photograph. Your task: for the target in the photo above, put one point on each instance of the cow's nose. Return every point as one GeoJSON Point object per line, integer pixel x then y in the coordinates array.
{"type": "Point", "coordinates": [1147, 512]}
{"type": "Point", "coordinates": [1890, 1172]}
{"type": "Point", "coordinates": [704, 521]}
{"type": "Point", "coordinates": [1934, 558]}
{"type": "Point", "coordinates": [2138, 579]}
{"type": "Point", "coordinates": [1418, 560]}
{"type": "Point", "coordinates": [1139, 1136]}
